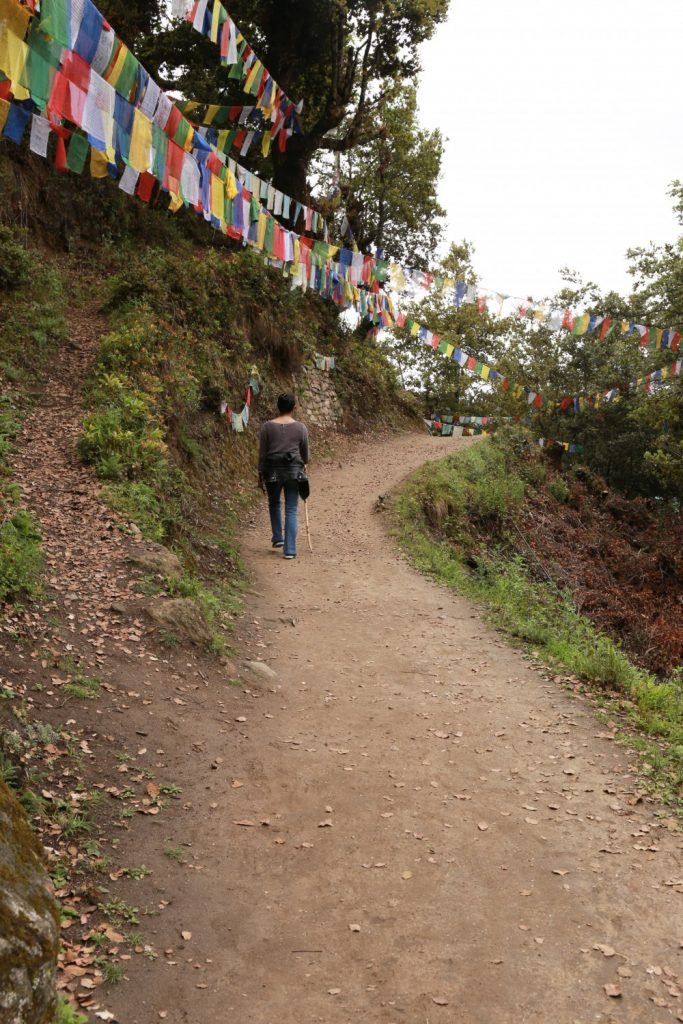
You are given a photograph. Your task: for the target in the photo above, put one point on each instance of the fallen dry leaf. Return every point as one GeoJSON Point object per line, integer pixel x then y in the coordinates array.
{"type": "Point", "coordinates": [354, 927]}
{"type": "Point", "coordinates": [482, 826]}
{"type": "Point", "coordinates": [246, 823]}
{"type": "Point", "coordinates": [334, 991]}
{"type": "Point", "coordinates": [186, 935]}
{"type": "Point", "coordinates": [613, 991]}
{"type": "Point", "coordinates": [440, 1000]}
{"type": "Point", "coordinates": [407, 874]}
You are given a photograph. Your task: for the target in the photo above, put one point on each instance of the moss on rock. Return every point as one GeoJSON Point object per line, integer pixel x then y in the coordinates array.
{"type": "Point", "coordinates": [29, 922]}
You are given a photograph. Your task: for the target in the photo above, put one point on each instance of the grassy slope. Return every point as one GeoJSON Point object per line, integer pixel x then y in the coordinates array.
{"type": "Point", "coordinates": [455, 519]}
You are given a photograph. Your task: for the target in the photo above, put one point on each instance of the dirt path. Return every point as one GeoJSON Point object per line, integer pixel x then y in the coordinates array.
{"type": "Point", "coordinates": [406, 823]}
{"type": "Point", "coordinates": [409, 823]}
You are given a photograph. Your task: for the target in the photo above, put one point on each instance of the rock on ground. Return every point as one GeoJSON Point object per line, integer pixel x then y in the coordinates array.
{"type": "Point", "coordinates": [180, 615]}
{"type": "Point", "coordinates": [29, 923]}
{"type": "Point", "coordinates": [156, 559]}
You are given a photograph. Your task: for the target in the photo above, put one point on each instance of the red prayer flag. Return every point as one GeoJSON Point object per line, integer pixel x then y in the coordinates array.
{"type": "Point", "coordinates": [145, 186]}
{"type": "Point", "coordinates": [606, 324]}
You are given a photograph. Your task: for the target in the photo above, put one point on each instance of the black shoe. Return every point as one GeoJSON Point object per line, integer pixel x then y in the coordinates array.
{"type": "Point", "coordinates": [278, 543]}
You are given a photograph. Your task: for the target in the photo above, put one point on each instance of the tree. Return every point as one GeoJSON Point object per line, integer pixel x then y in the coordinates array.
{"type": "Point", "coordinates": [389, 185]}
{"type": "Point", "coordinates": [342, 57]}
{"type": "Point", "coordinates": [441, 383]}
{"type": "Point", "coordinates": [134, 21]}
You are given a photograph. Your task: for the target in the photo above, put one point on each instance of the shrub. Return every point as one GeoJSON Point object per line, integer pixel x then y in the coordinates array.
{"type": "Point", "coordinates": [559, 489]}
{"type": "Point", "coordinates": [17, 265]}
{"type": "Point", "coordinates": [21, 559]}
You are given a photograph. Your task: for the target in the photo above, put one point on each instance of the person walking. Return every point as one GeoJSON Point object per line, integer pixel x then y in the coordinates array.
{"type": "Point", "coordinates": [283, 456]}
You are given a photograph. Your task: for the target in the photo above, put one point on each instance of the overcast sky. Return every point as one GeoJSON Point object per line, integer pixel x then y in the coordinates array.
{"type": "Point", "coordinates": [564, 128]}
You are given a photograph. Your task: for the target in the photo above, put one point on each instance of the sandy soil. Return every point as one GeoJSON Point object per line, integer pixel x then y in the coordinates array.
{"type": "Point", "coordinates": [409, 822]}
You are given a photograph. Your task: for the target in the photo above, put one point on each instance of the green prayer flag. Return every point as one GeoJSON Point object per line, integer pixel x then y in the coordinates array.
{"type": "Point", "coordinates": [54, 21]}
{"type": "Point", "coordinates": [237, 71]}
{"type": "Point", "coordinates": [270, 232]}
{"type": "Point", "coordinates": [37, 77]}
{"type": "Point", "coordinates": [182, 133]}
{"type": "Point", "coordinates": [77, 153]}
{"type": "Point", "coordinates": [128, 75]}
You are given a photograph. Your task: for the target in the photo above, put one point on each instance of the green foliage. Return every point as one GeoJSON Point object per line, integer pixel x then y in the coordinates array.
{"type": "Point", "coordinates": [66, 1014]}
{"type": "Point", "coordinates": [429, 521]}
{"type": "Point", "coordinates": [84, 687]}
{"type": "Point", "coordinates": [18, 265]}
{"type": "Point", "coordinates": [559, 489]}
{"type": "Point", "coordinates": [389, 184]}
{"type": "Point", "coordinates": [140, 503]}
{"type": "Point", "coordinates": [21, 558]}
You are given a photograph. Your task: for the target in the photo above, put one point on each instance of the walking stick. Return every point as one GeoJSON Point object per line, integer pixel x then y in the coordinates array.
{"type": "Point", "coordinates": [308, 528]}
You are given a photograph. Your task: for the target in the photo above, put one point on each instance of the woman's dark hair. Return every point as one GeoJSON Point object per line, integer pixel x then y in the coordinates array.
{"type": "Point", "coordinates": [286, 402]}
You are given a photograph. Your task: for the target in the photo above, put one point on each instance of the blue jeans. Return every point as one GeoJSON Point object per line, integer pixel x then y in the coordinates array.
{"type": "Point", "coordinates": [291, 489]}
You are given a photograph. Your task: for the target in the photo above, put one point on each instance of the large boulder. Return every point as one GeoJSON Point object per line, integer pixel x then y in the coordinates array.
{"type": "Point", "coordinates": [179, 615]}
{"type": "Point", "coordinates": [156, 560]}
{"type": "Point", "coordinates": [29, 922]}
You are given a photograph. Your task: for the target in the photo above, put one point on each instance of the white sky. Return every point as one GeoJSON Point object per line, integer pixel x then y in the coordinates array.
{"type": "Point", "coordinates": [564, 128]}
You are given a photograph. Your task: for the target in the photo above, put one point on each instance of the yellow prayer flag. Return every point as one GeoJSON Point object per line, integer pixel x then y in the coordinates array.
{"type": "Point", "coordinates": [658, 337]}
{"type": "Point", "coordinates": [189, 141]}
{"type": "Point", "coordinates": [140, 156]}
{"type": "Point", "coordinates": [13, 55]}
{"type": "Point", "coordinates": [14, 18]}
{"type": "Point", "coordinates": [98, 163]}
{"type": "Point", "coordinates": [415, 330]}
{"type": "Point", "coordinates": [624, 326]}
{"type": "Point", "coordinates": [582, 324]}
{"type": "Point", "coordinates": [113, 74]}
{"type": "Point", "coordinates": [261, 234]}
{"type": "Point", "coordinates": [485, 371]}
{"type": "Point", "coordinates": [217, 198]}
{"type": "Point", "coordinates": [265, 144]}
{"type": "Point", "coordinates": [4, 111]}
{"type": "Point", "coordinates": [450, 349]}
{"type": "Point", "coordinates": [176, 203]}
{"type": "Point", "coordinates": [251, 77]}
{"type": "Point", "coordinates": [215, 21]}
{"type": "Point", "coordinates": [231, 185]}
{"type": "Point", "coordinates": [211, 112]}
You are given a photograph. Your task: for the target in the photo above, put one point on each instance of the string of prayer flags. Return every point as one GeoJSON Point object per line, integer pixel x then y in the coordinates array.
{"type": "Point", "coordinates": [239, 421]}
{"type": "Point", "coordinates": [149, 136]}
{"type": "Point", "coordinates": [649, 383]}
{"type": "Point", "coordinates": [325, 363]}
{"type": "Point", "coordinates": [212, 20]}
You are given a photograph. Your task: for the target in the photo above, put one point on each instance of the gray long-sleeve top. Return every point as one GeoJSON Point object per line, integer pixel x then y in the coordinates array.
{"type": "Point", "coordinates": [281, 438]}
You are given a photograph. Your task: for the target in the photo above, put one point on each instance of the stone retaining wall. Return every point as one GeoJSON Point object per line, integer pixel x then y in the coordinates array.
{"type": "Point", "coordinates": [318, 401]}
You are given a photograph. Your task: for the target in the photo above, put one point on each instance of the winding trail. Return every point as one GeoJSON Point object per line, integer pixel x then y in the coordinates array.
{"type": "Point", "coordinates": [409, 823]}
